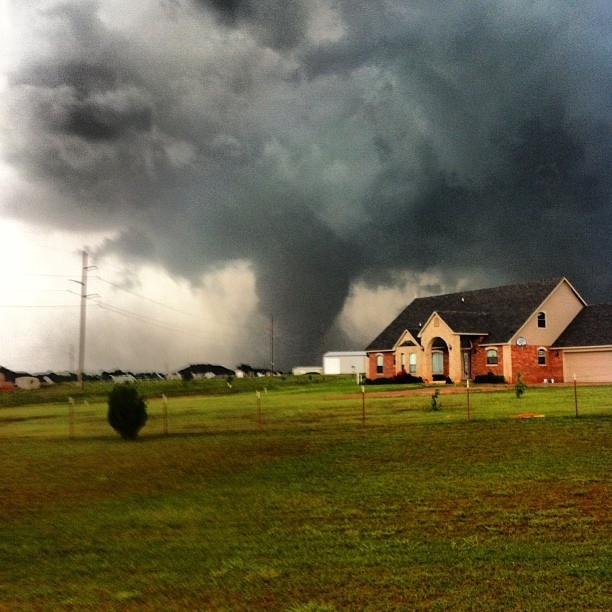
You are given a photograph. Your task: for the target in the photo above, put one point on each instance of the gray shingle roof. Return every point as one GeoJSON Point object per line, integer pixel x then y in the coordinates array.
{"type": "Point", "coordinates": [467, 322]}
{"type": "Point", "coordinates": [592, 326]}
{"type": "Point", "coordinates": [499, 311]}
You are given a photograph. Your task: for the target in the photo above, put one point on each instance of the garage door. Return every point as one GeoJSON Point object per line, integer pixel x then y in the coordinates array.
{"type": "Point", "coordinates": [595, 366]}
{"type": "Point", "coordinates": [331, 365]}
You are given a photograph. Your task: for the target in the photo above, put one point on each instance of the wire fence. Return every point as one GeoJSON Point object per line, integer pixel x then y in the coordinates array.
{"type": "Point", "coordinates": [263, 411]}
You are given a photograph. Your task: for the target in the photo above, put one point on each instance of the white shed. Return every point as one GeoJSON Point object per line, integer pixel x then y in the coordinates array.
{"type": "Point", "coordinates": [347, 362]}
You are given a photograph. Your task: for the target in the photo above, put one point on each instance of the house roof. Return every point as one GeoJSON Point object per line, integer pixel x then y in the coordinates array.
{"type": "Point", "coordinates": [10, 375]}
{"type": "Point", "coordinates": [466, 322]}
{"type": "Point", "coordinates": [592, 326]}
{"type": "Point", "coordinates": [498, 312]}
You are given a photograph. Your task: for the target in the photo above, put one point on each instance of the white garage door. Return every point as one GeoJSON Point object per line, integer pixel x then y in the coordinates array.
{"type": "Point", "coordinates": [595, 366]}
{"type": "Point", "coordinates": [331, 365]}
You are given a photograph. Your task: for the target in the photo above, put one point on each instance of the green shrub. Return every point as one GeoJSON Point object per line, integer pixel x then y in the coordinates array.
{"type": "Point", "coordinates": [127, 411]}
{"type": "Point", "coordinates": [403, 378]}
{"type": "Point", "coordinates": [435, 404]}
{"type": "Point", "coordinates": [520, 386]}
{"type": "Point", "coordinates": [490, 379]}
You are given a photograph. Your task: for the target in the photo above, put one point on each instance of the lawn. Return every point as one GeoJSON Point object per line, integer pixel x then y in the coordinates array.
{"type": "Point", "coordinates": [312, 507]}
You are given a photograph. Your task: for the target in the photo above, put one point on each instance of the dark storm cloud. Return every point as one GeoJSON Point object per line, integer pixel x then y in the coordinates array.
{"type": "Point", "coordinates": [100, 121]}
{"type": "Point", "coordinates": [227, 10]}
{"type": "Point", "coordinates": [83, 77]}
{"type": "Point", "coordinates": [329, 143]}
{"type": "Point", "coordinates": [93, 102]}
{"type": "Point", "coordinates": [279, 24]}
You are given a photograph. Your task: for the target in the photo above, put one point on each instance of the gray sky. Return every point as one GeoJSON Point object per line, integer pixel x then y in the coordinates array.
{"type": "Point", "coordinates": [322, 161]}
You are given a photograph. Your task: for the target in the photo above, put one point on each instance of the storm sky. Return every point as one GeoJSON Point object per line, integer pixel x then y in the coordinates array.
{"type": "Point", "coordinates": [321, 161]}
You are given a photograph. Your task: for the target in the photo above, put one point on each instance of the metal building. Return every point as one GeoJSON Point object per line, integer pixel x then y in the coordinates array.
{"type": "Point", "coordinates": [344, 362]}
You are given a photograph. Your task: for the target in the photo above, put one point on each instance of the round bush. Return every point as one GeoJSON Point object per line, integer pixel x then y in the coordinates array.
{"type": "Point", "coordinates": [127, 411]}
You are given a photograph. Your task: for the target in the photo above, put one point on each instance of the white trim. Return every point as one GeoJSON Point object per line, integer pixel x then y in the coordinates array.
{"type": "Point", "coordinates": [543, 313]}
{"type": "Point", "coordinates": [542, 348]}
{"type": "Point", "coordinates": [496, 351]}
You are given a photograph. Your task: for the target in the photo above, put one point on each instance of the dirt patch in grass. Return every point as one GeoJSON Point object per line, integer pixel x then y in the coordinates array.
{"type": "Point", "coordinates": [443, 389]}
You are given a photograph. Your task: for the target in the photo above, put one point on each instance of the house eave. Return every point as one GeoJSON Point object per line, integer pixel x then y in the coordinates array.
{"type": "Point", "coordinates": [461, 333]}
{"type": "Point", "coordinates": [583, 349]}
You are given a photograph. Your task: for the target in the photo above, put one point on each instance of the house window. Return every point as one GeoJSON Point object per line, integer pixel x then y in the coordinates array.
{"type": "Point", "coordinates": [437, 362]}
{"type": "Point", "coordinates": [492, 357]}
{"type": "Point", "coordinates": [412, 361]}
{"type": "Point", "coordinates": [403, 361]}
{"type": "Point", "coordinates": [541, 319]}
{"type": "Point", "coordinates": [541, 356]}
{"type": "Point", "coordinates": [379, 364]}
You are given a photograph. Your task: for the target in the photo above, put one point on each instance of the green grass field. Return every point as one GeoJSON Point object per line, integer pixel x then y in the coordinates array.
{"type": "Point", "coordinates": [310, 507]}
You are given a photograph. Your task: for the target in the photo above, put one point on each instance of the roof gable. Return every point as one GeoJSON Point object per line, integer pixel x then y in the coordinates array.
{"type": "Point", "coordinates": [503, 310]}
{"type": "Point", "coordinates": [406, 339]}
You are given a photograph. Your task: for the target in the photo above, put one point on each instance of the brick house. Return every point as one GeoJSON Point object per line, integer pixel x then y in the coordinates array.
{"type": "Point", "coordinates": [543, 329]}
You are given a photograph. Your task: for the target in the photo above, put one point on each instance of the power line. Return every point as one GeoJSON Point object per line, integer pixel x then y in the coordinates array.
{"type": "Point", "coordinates": [46, 275]}
{"type": "Point", "coordinates": [142, 297]}
{"type": "Point", "coordinates": [154, 322]}
{"type": "Point", "coordinates": [172, 308]}
{"type": "Point", "coordinates": [38, 306]}
{"type": "Point", "coordinates": [124, 312]}
{"type": "Point", "coordinates": [252, 345]}
{"type": "Point", "coordinates": [28, 290]}
{"type": "Point", "coordinates": [160, 282]}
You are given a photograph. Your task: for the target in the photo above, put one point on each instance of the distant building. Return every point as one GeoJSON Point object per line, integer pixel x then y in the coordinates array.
{"type": "Point", "coordinates": [345, 362]}
{"type": "Point", "coordinates": [204, 370]}
{"type": "Point", "coordinates": [27, 382]}
{"type": "Point", "coordinates": [302, 370]}
{"type": "Point", "coordinates": [123, 378]}
{"type": "Point", "coordinates": [7, 375]}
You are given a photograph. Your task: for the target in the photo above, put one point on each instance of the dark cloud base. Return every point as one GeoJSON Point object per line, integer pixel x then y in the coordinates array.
{"type": "Point", "coordinates": [407, 139]}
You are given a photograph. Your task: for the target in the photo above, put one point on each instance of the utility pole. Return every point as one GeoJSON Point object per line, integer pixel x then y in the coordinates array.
{"type": "Point", "coordinates": [271, 344]}
{"type": "Point", "coordinates": [82, 325]}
